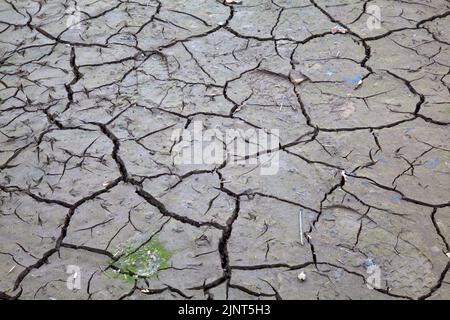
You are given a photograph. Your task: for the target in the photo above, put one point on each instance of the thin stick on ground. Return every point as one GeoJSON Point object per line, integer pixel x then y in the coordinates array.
{"type": "Point", "coordinates": [301, 227]}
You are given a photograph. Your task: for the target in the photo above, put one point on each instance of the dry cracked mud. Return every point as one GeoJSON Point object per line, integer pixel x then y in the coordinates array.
{"type": "Point", "coordinates": [87, 115]}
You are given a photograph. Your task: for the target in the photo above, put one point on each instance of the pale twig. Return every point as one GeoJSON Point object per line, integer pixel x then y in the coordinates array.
{"type": "Point", "coordinates": [301, 227]}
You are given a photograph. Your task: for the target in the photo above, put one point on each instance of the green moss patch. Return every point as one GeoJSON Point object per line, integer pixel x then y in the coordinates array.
{"type": "Point", "coordinates": [143, 260]}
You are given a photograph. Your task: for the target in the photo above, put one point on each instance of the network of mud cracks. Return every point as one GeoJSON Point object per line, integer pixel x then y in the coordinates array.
{"type": "Point", "coordinates": [87, 181]}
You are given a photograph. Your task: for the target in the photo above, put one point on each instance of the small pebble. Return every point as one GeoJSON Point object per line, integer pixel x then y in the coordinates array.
{"type": "Point", "coordinates": [302, 276]}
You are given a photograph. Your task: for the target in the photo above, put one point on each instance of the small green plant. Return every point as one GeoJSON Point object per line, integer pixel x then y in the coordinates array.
{"type": "Point", "coordinates": [143, 260]}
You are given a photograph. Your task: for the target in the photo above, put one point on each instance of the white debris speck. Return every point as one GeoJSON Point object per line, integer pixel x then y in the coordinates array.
{"type": "Point", "coordinates": [301, 227]}
{"type": "Point", "coordinates": [358, 85]}
{"type": "Point", "coordinates": [302, 276]}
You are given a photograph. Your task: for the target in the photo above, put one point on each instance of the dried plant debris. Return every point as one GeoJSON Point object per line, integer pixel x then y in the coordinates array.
{"type": "Point", "coordinates": [297, 77]}
{"type": "Point", "coordinates": [338, 29]}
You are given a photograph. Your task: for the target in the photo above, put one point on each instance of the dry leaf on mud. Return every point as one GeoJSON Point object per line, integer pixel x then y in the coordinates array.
{"type": "Point", "coordinates": [338, 29]}
{"type": "Point", "coordinates": [297, 77]}
{"type": "Point", "coordinates": [344, 111]}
